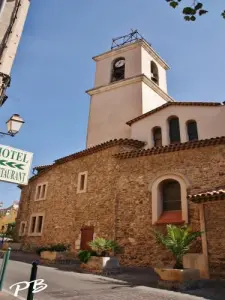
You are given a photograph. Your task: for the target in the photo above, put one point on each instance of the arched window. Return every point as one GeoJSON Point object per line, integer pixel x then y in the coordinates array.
{"type": "Point", "coordinates": [174, 130]}
{"type": "Point", "coordinates": [118, 69]}
{"type": "Point", "coordinates": [192, 130]}
{"type": "Point", "coordinates": [157, 136]}
{"type": "Point", "coordinates": [171, 195]}
{"type": "Point", "coordinates": [154, 72]}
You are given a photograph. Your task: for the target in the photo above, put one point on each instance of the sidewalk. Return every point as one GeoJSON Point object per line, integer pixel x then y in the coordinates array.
{"type": "Point", "coordinates": [4, 296]}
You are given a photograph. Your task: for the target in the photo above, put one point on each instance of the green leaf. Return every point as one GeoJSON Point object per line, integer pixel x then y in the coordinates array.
{"type": "Point", "coordinates": [198, 6]}
{"type": "Point", "coordinates": [193, 18]}
{"type": "Point", "coordinates": [174, 4]}
{"type": "Point", "coordinates": [187, 18]}
{"type": "Point", "coordinates": [189, 11]}
{"type": "Point", "coordinates": [177, 240]}
{"type": "Point", "coordinates": [223, 14]}
{"type": "Point", "coordinates": [202, 12]}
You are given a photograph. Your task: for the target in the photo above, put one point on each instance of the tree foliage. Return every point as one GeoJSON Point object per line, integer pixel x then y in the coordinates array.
{"type": "Point", "coordinates": [178, 240]}
{"type": "Point", "coordinates": [191, 12]}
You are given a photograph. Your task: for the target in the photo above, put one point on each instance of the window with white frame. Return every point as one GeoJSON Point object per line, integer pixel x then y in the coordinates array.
{"type": "Point", "coordinates": [22, 230]}
{"type": "Point", "coordinates": [169, 198]}
{"type": "Point", "coordinates": [36, 224]}
{"type": "Point", "coordinates": [82, 182]}
{"type": "Point", "coordinates": [41, 191]}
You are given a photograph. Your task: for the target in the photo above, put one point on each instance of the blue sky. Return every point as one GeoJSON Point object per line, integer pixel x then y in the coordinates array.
{"type": "Point", "coordinates": [53, 67]}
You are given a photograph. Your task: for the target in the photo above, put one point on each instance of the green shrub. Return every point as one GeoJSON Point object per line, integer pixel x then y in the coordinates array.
{"type": "Point", "coordinates": [84, 256]}
{"type": "Point", "coordinates": [104, 247]}
{"type": "Point", "coordinates": [51, 248]}
{"type": "Point", "coordinates": [178, 240]}
{"type": "Point", "coordinates": [41, 249]}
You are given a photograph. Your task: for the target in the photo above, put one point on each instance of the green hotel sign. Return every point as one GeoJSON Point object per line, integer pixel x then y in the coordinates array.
{"type": "Point", "coordinates": [15, 165]}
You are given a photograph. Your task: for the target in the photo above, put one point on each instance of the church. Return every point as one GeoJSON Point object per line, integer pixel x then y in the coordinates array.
{"type": "Point", "coordinates": [149, 161]}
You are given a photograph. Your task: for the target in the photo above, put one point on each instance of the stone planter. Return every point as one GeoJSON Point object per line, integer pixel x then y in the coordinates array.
{"type": "Point", "coordinates": [177, 275]}
{"type": "Point", "coordinates": [102, 265]}
{"type": "Point", "coordinates": [15, 246]}
{"type": "Point", "coordinates": [52, 255]}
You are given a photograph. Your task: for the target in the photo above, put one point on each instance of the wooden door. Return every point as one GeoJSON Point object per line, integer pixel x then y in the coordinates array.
{"type": "Point", "coordinates": [87, 234]}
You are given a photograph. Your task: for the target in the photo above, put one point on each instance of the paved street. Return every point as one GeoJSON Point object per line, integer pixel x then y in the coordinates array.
{"type": "Point", "coordinates": [71, 285]}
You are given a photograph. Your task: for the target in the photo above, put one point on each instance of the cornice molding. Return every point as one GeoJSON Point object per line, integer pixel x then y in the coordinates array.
{"type": "Point", "coordinates": [131, 46]}
{"type": "Point", "coordinates": [140, 78]}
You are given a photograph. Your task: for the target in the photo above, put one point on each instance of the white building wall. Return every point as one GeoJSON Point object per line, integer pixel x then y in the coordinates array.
{"type": "Point", "coordinates": [146, 59]}
{"type": "Point", "coordinates": [210, 122]}
{"type": "Point", "coordinates": [10, 50]}
{"type": "Point", "coordinates": [132, 66]}
{"type": "Point", "coordinates": [109, 112]}
{"type": "Point", "coordinates": [150, 99]}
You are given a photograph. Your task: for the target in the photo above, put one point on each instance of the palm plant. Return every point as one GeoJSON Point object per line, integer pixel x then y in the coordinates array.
{"type": "Point", "coordinates": [178, 240]}
{"type": "Point", "coordinates": [104, 247]}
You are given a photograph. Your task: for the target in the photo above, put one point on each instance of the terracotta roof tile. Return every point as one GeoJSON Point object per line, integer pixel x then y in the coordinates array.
{"type": "Point", "coordinates": [174, 104]}
{"type": "Point", "coordinates": [217, 194]}
{"type": "Point", "coordinates": [171, 148]}
{"type": "Point", "coordinates": [40, 168]}
{"type": "Point", "coordinates": [108, 144]}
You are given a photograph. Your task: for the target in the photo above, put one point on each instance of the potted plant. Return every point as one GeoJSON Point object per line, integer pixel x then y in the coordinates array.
{"type": "Point", "coordinates": [178, 240]}
{"type": "Point", "coordinates": [53, 252]}
{"type": "Point", "coordinates": [102, 257]}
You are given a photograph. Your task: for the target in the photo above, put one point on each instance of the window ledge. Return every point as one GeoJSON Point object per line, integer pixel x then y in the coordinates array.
{"type": "Point", "coordinates": [171, 217]}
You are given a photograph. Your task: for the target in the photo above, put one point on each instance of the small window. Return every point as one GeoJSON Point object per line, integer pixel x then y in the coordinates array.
{"type": "Point", "coordinates": [154, 73]}
{"type": "Point", "coordinates": [82, 182]}
{"type": "Point", "coordinates": [157, 137]}
{"type": "Point", "coordinates": [174, 130]}
{"type": "Point", "coordinates": [118, 69]}
{"type": "Point", "coordinates": [41, 191]}
{"type": "Point", "coordinates": [22, 230]}
{"type": "Point", "coordinates": [192, 130]}
{"type": "Point", "coordinates": [171, 195]}
{"type": "Point", "coordinates": [33, 224]}
{"type": "Point", "coordinates": [36, 224]}
{"type": "Point", "coordinates": [40, 221]}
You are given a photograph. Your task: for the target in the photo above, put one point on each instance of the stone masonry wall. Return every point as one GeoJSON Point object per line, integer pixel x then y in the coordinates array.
{"type": "Point", "coordinates": [201, 166]}
{"type": "Point", "coordinates": [118, 200]}
{"type": "Point", "coordinates": [215, 220]}
{"type": "Point", "coordinates": [66, 211]}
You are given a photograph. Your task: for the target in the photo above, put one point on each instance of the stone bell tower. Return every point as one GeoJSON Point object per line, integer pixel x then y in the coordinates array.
{"type": "Point", "coordinates": [13, 14]}
{"type": "Point", "coordinates": [130, 80]}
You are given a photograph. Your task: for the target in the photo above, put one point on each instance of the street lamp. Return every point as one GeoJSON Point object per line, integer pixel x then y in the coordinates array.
{"type": "Point", "coordinates": [13, 125]}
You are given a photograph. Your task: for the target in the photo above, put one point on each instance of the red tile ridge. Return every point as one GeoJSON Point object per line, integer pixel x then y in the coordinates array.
{"type": "Point", "coordinates": [174, 104]}
{"type": "Point", "coordinates": [171, 148]}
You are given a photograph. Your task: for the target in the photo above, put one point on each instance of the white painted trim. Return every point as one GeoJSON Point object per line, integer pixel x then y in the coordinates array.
{"type": "Point", "coordinates": [35, 233]}
{"type": "Point", "coordinates": [124, 82]}
{"type": "Point", "coordinates": [36, 191]}
{"type": "Point", "coordinates": [79, 191]}
{"type": "Point", "coordinates": [25, 228]}
{"type": "Point", "coordinates": [156, 197]}
{"type": "Point", "coordinates": [129, 47]}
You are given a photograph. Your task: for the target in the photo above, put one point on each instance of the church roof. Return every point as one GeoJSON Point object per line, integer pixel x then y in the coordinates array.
{"type": "Point", "coordinates": [171, 148]}
{"type": "Point", "coordinates": [151, 112]}
{"type": "Point", "coordinates": [212, 195]}
{"type": "Point", "coordinates": [91, 150]}
{"type": "Point", "coordinates": [108, 144]}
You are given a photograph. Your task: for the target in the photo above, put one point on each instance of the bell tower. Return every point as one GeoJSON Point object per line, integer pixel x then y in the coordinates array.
{"type": "Point", "coordinates": [130, 80]}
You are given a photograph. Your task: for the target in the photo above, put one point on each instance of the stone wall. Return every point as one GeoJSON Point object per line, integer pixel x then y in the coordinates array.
{"type": "Point", "coordinates": [118, 199]}
{"type": "Point", "coordinates": [215, 220]}
{"type": "Point", "coordinates": [135, 175]}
